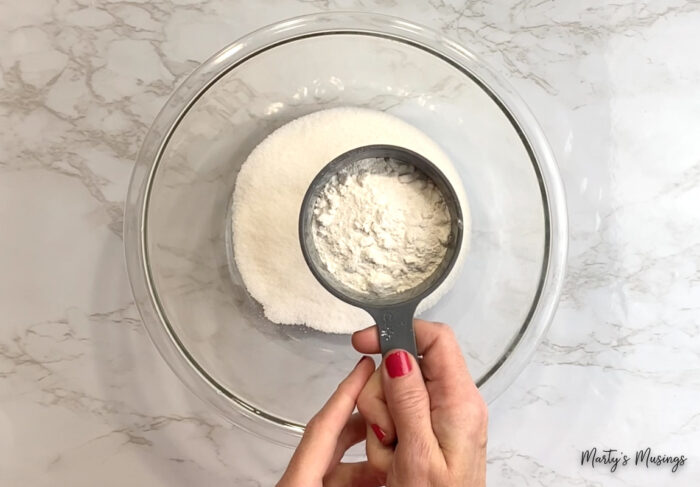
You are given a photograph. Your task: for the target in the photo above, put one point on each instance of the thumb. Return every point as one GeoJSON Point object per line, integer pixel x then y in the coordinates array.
{"type": "Point", "coordinates": [406, 397]}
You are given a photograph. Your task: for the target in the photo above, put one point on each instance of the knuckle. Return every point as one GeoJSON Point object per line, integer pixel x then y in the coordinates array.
{"type": "Point", "coordinates": [366, 394]}
{"type": "Point", "coordinates": [446, 334]}
{"type": "Point", "coordinates": [478, 414]}
{"type": "Point", "coordinates": [409, 399]}
{"type": "Point", "coordinates": [481, 438]}
{"type": "Point", "coordinates": [419, 448]}
{"type": "Point", "coordinates": [313, 425]}
{"type": "Point", "coordinates": [318, 423]}
{"type": "Point", "coordinates": [480, 410]}
{"type": "Point", "coordinates": [343, 394]}
{"type": "Point", "coordinates": [454, 403]}
{"type": "Point", "coordinates": [420, 470]}
{"type": "Point", "coordinates": [377, 461]}
{"type": "Point", "coordinates": [484, 413]}
{"type": "Point", "coordinates": [416, 457]}
{"type": "Point", "coordinates": [443, 329]}
{"type": "Point", "coordinates": [364, 405]}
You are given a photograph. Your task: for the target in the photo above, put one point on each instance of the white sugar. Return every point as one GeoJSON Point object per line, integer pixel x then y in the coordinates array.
{"type": "Point", "coordinates": [268, 196]}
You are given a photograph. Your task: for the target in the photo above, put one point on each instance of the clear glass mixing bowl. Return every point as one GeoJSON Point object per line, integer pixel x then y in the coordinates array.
{"type": "Point", "coordinates": [268, 378]}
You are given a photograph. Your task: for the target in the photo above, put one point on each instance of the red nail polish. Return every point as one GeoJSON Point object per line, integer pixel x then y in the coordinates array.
{"type": "Point", "coordinates": [398, 364]}
{"type": "Point", "coordinates": [379, 432]}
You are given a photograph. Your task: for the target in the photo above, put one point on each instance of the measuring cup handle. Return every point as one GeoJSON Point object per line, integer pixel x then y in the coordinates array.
{"type": "Point", "coordinates": [395, 327]}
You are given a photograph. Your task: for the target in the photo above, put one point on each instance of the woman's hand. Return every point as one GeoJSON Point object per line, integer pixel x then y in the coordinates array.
{"type": "Point", "coordinates": [316, 461]}
{"type": "Point", "coordinates": [426, 426]}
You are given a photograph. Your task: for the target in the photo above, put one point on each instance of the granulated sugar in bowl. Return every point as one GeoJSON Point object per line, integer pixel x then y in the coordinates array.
{"type": "Point", "coordinates": [266, 202]}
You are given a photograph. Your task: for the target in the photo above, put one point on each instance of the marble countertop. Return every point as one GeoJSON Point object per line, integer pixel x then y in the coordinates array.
{"type": "Point", "coordinates": [86, 400]}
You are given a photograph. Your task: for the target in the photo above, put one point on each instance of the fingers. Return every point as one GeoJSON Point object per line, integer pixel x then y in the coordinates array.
{"type": "Point", "coordinates": [457, 410]}
{"type": "Point", "coordinates": [442, 364]}
{"type": "Point", "coordinates": [367, 340]}
{"type": "Point", "coordinates": [380, 432]}
{"type": "Point", "coordinates": [313, 456]}
{"type": "Point", "coordinates": [353, 433]}
{"type": "Point", "coordinates": [354, 474]}
{"type": "Point", "coordinates": [324, 429]}
{"type": "Point", "coordinates": [407, 398]}
{"type": "Point", "coordinates": [373, 408]}
{"type": "Point", "coordinates": [380, 456]}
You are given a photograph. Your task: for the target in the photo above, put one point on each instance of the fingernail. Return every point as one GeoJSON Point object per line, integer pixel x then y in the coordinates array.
{"type": "Point", "coordinates": [398, 363]}
{"type": "Point", "coordinates": [379, 432]}
{"type": "Point", "coordinates": [359, 361]}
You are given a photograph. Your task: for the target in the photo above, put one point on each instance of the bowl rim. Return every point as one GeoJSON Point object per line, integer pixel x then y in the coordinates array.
{"type": "Point", "coordinates": [237, 410]}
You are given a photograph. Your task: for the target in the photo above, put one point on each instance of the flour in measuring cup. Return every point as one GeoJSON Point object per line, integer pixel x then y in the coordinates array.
{"type": "Point", "coordinates": [381, 227]}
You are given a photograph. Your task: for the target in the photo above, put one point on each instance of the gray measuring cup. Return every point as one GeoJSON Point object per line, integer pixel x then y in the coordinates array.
{"type": "Point", "coordinates": [393, 314]}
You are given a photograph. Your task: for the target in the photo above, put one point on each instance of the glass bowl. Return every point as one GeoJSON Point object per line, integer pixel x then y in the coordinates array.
{"type": "Point", "coordinates": [270, 379]}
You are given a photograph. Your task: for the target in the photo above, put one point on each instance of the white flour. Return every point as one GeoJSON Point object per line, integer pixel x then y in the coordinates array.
{"type": "Point", "coordinates": [381, 227]}
{"type": "Point", "coordinates": [266, 202]}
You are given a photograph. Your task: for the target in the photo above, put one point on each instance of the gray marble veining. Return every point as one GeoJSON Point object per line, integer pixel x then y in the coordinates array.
{"type": "Point", "coordinates": [85, 398]}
